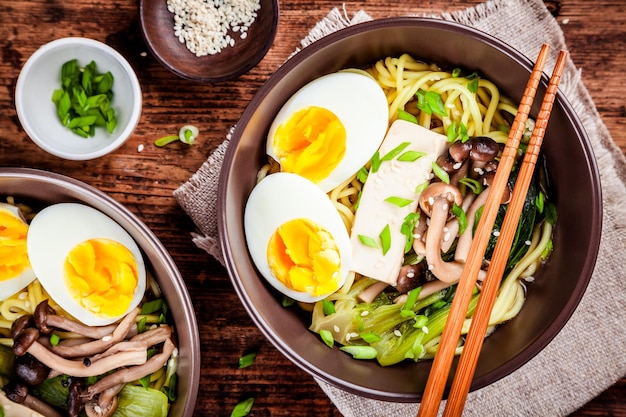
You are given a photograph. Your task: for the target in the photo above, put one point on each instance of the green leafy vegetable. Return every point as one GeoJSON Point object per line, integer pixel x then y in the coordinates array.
{"type": "Point", "coordinates": [84, 100]}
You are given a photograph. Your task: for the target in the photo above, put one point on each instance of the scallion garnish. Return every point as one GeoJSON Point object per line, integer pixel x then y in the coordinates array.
{"type": "Point", "coordinates": [440, 173]}
{"type": "Point", "coordinates": [54, 339]}
{"type": "Point", "coordinates": [395, 151]}
{"type": "Point", "coordinates": [360, 352]}
{"type": "Point", "coordinates": [243, 408]}
{"type": "Point", "coordinates": [411, 156]}
{"type": "Point", "coordinates": [408, 224]}
{"type": "Point", "coordinates": [370, 337]}
{"type": "Point", "coordinates": [385, 239]}
{"type": "Point", "coordinates": [375, 162]}
{"type": "Point", "coordinates": [247, 360]}
{"type": "Point", "coordinates": [405, 115]}
{"type": "Point", "coordinates": [362, 174]}
{"type": "Point", "coordinates": [327, 337]}
{"type": "Point", "coordinates": [398, 201]}
{"type": "Point", "coordinates": [431, 102]}
{"type": "Point", "coordinates": [420, 188]}
{"type": "Point", "coordinates": [461, 217]}
{"type": "Point", "coordinates": [328, 307]}
{"type": "Point", "coordinates": [472, 184]}
{"type": "Point", "coordinates": [368, 241]}
{"type": "Point", "coordinates": [411, 298]}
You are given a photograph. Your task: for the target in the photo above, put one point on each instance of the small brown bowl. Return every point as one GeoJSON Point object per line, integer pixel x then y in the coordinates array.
{"type": "Point", "coordinates": [157, 25]}
{"type": "Point", "coordinates": [559, 285]}
{"type": "Point", "coordinates": [42, 188]}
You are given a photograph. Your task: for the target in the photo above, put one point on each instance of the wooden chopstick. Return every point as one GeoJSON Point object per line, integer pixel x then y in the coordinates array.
{"type": "Point", "coordinates": [480, 319]}
{"type": "Point", "coordinates": [440, 369]}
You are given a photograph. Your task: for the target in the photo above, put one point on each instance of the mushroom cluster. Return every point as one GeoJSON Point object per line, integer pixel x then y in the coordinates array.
{"type": "Point", "coordinates": [117, 351]}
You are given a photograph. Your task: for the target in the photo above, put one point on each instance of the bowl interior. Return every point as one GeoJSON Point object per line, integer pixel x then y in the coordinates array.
{"type": "Point", "coordinates": [43, 188]}
{"type": "Point", "coordinates": [558, 287]}
{"type": "Point", "coordinates": [41, 75]}
{"type": "Point", "coordinates": [157, 24]}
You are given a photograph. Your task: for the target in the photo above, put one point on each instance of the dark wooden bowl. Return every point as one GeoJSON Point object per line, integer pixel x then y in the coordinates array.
{"type": "Point", "coordinates": [157, 27]}
{"type": "Point", "coordinates": [559, 285]}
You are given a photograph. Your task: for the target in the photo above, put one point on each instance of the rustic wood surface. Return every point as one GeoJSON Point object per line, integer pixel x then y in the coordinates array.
{"type": "Point", "coordinates": [144, 181]}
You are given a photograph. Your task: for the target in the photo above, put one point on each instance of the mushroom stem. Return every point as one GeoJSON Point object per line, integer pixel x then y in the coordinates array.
{"type": "Point", "coordinates": [85, 367]}
{"type": "Point", "coordinates": [132, 373]}
{"type": "Point", "coordinates": [93, 347]}
{"type": "Point", "coordinates": [465, 240]}
{"type": "Point", "coordinates": [449, 272]}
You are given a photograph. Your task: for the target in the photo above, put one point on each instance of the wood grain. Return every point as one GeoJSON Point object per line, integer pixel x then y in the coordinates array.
{"type": "Point", "coordinates": [144, 181]}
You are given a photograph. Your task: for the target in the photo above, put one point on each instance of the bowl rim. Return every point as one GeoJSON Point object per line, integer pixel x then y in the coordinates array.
{"type": "Point", "coordinates": [138, 227]}
{"type": "Point", "coordinates": [152, 40]}
{"type": "Point", "coordinates": [33, 60]}
{"type": "Point", "coordinates": [536, 345]}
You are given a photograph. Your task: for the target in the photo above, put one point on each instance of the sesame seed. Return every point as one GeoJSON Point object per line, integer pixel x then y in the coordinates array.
{"type": "Point", "coordinates": [529, 279]}
{"type": "Point", "coordinates": [364, 313]}
{"type": "Point", "coordinates": [425, 329]}
{"type": "Point", "coordinates": [140, 147]}
{"type": "Point", "coordinates": [496, 233]}
{"type": "Point", "coordinates": [527, 243]}
{"type": "Point", "coordinates": [397, 332]}
{"type": "Point", "coordinates": [203, 25]}
{"type": "Point", "coordinates": [106, 338]}
{"type": "Point", "coordinates": [22, 296]}
{"type": "Point", "coordinates": [336, 328]}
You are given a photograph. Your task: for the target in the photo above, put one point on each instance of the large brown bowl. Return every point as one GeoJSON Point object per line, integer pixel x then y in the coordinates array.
{"type": "Point", "coordinates": [558, 287]}
{"type": "Point", "coordinates": [41, 188]}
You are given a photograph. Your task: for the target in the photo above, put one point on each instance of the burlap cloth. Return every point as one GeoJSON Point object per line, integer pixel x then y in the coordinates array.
{"type": "Point", "coordinates": [589, 354]}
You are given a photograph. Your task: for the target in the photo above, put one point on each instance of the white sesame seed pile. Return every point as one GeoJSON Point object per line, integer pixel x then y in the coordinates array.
{"type": "Point", "coordinates": [203, 25]}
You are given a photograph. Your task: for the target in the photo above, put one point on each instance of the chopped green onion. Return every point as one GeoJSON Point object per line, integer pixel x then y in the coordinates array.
{"type": "Point", "coordinates": [431, 102]}
{"type": "Point", "coordinates": [362, 174]}
{"type": "Point", "coordinates": [243, 408]}
{"type": "Point", "coordinates": [551, 213]}
{"type": "Point", "coordinates": [371, 337]}
{"type": "Point", "coordinates": [376, 161]}
{"type": "Point", "coordinates": [54, 339]}
{"type": "Point", "coordinates": [461, 217]}
{"type": "Point", "coordinates": [456, 72]}
{"type": "Point", "coordinates": [287, 302]}
{"type": "Point", "coordinates": [411, 298]}
{"type": "Point", "coordinates": [327, 337]}
{"type": "Point", "coordinates": [420, 321]}
{"type": "Point", "coordinates": [84, 99]}
{"type": "Point", "coordinates": [188, 134]}
{"type": "Point", "coordinates": [360, 352]}
{"type": "Point", "coordinates": [411, 156]}
{"type": "Point", "coordinates": [385, 239]}
{"type": "Point", "coordinates": [472, 184]}
{"type": "Point", "coordinates": [368, 241]}
{"type": "Point", "coordinates": [472, 86]}
{"type": "Point", "coordinates": [247, 360]}
{"type": "Point", "coordinates": [420, 188]}
{"type": "Point", "coordinates": [165, 140]}
{"type": "Point", "coordinates": [328, 307]}
{"type": "Point", "coordinates": [398, 201]}
{"type": "Point", "coordinates": [440, 173]}
{"type": "Point", "coordinates": [153, 306]}
{"type": "Point", "coordinates": [405, 115]}
{"type": "Point", "coordinates": [395, 151]}
{"type": "Point", "coordinates": [408, 224]}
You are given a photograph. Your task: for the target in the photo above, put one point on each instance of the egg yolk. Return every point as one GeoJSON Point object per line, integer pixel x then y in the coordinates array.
{"type": "Point", "coordinates": [310, 143]}
{"type": "Point", "coordinates": [305, 257]}
{"type": "Point", "coordinates": [102, 274]}
{"type": "Point", "coordinates": [13, 251]}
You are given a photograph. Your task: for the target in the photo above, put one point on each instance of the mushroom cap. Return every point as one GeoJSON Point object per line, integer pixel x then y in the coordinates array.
{"type": "Point", "coordinates": [483, 149]}
{"type": "Point", "coordinates": [439, 190]}
{"type": "Point", "coordinates": [22, 322]}
{"type": "Point", "coordinates": [24, 340]}
{"type": "Point", "coordinates": [459, 151]}
{"type": "Point", "coordinates": [30, 370]}
{"type": "Point", "coordinates": [40, 316]}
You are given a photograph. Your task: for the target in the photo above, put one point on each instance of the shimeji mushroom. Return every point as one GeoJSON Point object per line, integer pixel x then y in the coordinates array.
{"type": "Point", "coordinates": [436, 201]}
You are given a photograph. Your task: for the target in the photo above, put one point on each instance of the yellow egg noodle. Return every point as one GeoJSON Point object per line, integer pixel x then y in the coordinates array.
{"type": "Point", "coordinates": [484, 113]}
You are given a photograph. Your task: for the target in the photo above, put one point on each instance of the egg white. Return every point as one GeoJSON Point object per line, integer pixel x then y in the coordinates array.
{"type": "Point", "coordinates": [358, 102]}
{"type": "Point", "coordinates": [11, 286]}
{"type": "Point", "coordinates": [279, 198]}
{"type": "Point", "coordinates": [54, 232]}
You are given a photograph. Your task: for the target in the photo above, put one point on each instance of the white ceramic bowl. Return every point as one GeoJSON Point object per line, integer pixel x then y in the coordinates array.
{"type": "Point", "coordinates": [40, 76]}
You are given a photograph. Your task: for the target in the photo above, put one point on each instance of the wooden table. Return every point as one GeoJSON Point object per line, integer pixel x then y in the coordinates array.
{"type": "Point", "coordinates": [144, 181]}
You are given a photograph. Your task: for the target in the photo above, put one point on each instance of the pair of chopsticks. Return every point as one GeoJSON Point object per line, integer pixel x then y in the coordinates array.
{"type": "Point", "coordinates": [469, 357]}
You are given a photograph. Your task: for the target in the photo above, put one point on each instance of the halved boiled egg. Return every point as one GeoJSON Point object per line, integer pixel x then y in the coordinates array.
{"type": "Point", "coordinates": [330, 128]}
{"type": "Point", "coordinates": [15, 270]}
{"type": "Point", "coordinates": [296, 237]}
{"type": "Point", "coordinates": [88, 264]}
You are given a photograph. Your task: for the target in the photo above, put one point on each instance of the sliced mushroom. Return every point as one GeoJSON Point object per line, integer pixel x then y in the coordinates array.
{"type": "Point", "coordinates": [436, 201]}
{"type": "Point", "coordinates": [105, 404]}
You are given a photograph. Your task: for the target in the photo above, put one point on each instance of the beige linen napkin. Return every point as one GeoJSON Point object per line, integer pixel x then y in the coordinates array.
{"type": "Point", "coordinates": [589, 354]}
